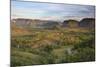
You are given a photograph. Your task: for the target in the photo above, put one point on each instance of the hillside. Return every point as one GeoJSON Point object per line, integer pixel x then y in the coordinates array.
{"type": "Point", "coordinates": [87, 22]}
{"type": "Point", "coordinates": [70, 23]}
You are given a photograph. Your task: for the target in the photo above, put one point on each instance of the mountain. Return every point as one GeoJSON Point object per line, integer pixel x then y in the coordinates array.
{"type": "Point", "coordinates": [70, 23]}
{"type": "Point", "coordinates": [34, 23]}
{"type": "Point", "coordinates": [84, 23]}
{"type": "Point", "coordinates": [87, 23]}
{"type": "Point", "coordinates": [21, 22]}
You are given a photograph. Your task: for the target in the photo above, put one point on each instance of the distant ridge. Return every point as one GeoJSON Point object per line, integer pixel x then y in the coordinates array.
{"type": "Point", "coordinates": [36, 23]}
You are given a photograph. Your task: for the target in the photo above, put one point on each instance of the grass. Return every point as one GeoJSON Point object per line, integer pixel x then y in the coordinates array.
{"type": "Point", "coordinates": [53, 46]}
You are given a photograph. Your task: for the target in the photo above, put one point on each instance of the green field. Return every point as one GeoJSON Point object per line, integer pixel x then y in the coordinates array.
{"type": "Point", "coordinates": [50, 46]}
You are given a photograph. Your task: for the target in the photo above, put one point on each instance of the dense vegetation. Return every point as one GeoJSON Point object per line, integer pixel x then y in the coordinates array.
{"type": "Point", "coordinates": [49, 46]}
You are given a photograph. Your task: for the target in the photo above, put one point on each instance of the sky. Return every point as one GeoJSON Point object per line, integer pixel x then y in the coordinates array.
{"type": "Point", "coordinates": [50, 11]}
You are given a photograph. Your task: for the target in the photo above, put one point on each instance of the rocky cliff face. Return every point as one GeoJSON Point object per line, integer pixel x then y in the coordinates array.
{"type": "Point", "coordinates": [36, 23]}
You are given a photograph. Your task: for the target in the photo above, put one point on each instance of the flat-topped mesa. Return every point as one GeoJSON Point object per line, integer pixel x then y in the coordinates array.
{"type": "Point", "coordinates": [34, 23]}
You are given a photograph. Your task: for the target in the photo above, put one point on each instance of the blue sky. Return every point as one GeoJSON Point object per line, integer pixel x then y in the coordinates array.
{"type": "Point", "coordinates": [50, 11]}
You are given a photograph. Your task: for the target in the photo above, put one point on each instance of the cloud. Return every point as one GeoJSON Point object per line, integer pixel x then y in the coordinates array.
{"type": "Point", "coordinates": [49, 11]}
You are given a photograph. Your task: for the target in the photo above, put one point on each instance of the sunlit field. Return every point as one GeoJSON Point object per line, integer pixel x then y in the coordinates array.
{"type": "Point", "coordinates": [49, 46]}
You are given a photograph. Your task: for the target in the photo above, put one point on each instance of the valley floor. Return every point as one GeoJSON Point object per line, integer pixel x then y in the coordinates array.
{"type": "Point", "coordinates": [44, 46]}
